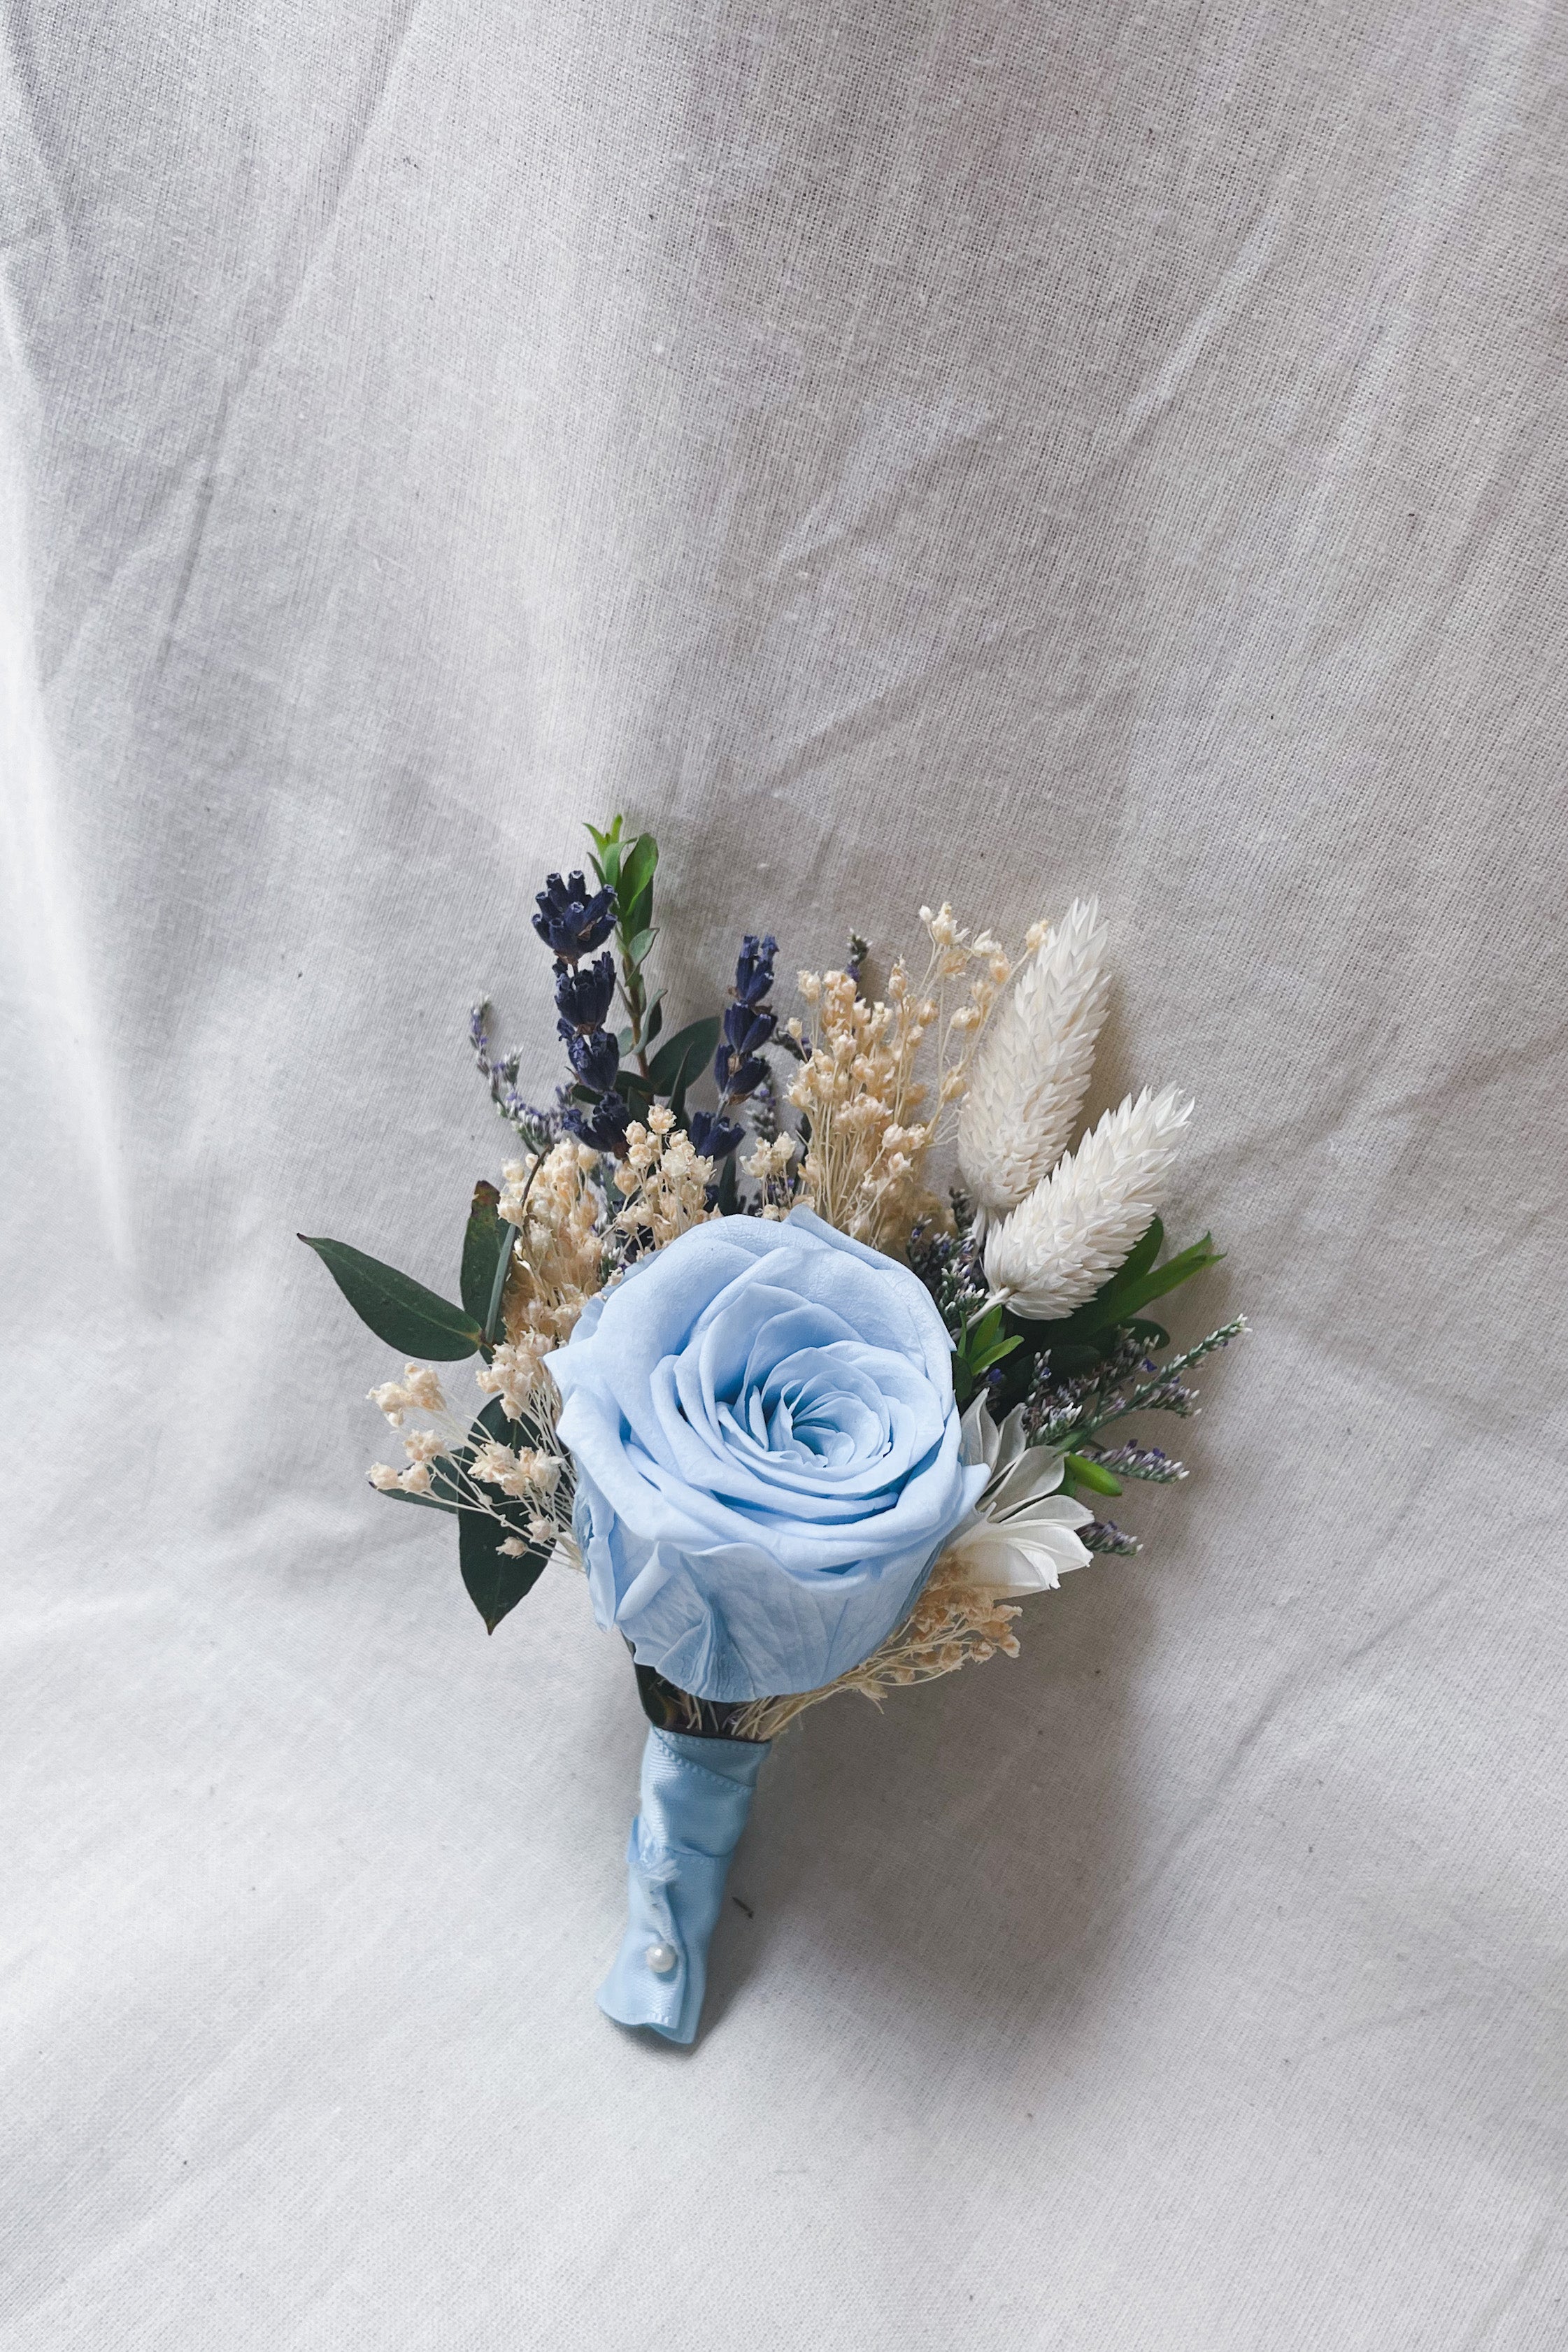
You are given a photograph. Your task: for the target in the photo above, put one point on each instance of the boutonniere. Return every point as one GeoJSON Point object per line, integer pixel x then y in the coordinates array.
{"type": "Point", "coordinates": [805, 1424]}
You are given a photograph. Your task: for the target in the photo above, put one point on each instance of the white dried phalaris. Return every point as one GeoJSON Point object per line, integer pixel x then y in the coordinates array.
{"type": "Point", "coordinates": [1029, 1081]}
{"type": "Point", "coordinates": [1079, 1224]}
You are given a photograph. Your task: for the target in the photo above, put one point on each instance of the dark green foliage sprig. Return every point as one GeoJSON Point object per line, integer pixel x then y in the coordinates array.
{"type": "Point", "coordinates": [413, 1320]}
{"type": "Point", "coordinates": [418, 1322]}
{"type": "Point", "coordinates": [644, 1067]}
{"type": "Point", "coordinates": [627, 869]}
{"type": "Point", "coordinates": [980, 1344]}
{"type": "Point", "coordinates": [1075, 1376]}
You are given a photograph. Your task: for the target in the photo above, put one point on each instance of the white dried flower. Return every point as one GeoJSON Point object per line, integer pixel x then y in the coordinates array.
{"type": "Point", "coordinates": [1077, 1227]}
{"type": "Point", "coordinates": [392, 1399]}
{"type": "Point", "coordinates": [1028, 1082]}
{"type": "Point", "coordinates": [382, 1476]}
{"type": "Point", "coordinates": [1020, 1536]}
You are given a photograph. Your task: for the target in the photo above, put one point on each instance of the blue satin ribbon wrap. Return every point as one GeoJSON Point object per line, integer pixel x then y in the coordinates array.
{"type": "Point", "coordinates": [696, 1795]}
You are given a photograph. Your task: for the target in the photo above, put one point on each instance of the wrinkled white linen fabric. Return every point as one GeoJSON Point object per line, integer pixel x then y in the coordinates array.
{"type": "Point", "coordinates": [979, 449]}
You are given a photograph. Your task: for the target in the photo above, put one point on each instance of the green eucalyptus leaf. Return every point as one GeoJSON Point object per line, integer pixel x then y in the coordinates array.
{"type": "Point", "coordinates": [495, 1581]}
{"type": "Point", "coordinates": [680, 1057]}
{"type": "Point", "coordinates": [654, 1021]}
{"type": "Point", "coordinates": [413, 1320]}
{"type": "Point", "coordinates": [636, 949]}
{"type": "Point", "coordinates": [483, 1246]}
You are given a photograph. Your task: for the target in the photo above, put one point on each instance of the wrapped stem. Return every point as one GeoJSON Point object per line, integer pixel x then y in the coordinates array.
{"type": "Point", "coordinates": [696, 1795]}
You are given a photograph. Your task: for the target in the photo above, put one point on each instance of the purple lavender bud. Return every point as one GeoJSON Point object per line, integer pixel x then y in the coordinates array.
{"type": "Point", "coordinates": [596, 1058]}
{"type": "Point", "coordinates": [584, 997]}
{"type": "Point", "coordinates": [570, 921]}
{"type": "Point", "coordinates": [604, 1126]}
{"type": "Point", "coordinates": [714, 1137]}
{"type": "Point", "coordinates": [754, 969]}
{"type": "Point", "coordinates": [747, 1028]}
{"type": "Point", "coordinates": [736, 1078]}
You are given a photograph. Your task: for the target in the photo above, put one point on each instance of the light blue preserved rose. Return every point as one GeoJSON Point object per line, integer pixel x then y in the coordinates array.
{"type": "Point", "coordinates": [769, 1456]}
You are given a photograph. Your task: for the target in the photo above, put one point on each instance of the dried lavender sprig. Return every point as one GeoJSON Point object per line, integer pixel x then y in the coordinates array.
{"type": "Point", "coordinates": [538, 1126]}
{"type": "Point", "coordinates": [949, 1265]}
{"type": "Point", "coordinates": [766, 1111]}
{"type": "Point", "coordinates": [1149, 1462]}
{"type": "Point", "coordinates": [1165, 1392]}
{"type": "Point", "coordinates": [1056, 1401]}
{"type": "Point", "coordinates": [1105, 1536]}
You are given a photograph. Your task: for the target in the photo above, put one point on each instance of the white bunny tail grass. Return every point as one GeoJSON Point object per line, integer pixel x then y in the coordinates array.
{"type": "Point", "coordinates": [1028, 1082]}
{"type": "Point", "coordinates": [1077, 1227]}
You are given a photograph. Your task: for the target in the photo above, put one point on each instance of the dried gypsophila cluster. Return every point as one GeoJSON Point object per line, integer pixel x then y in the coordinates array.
{"type": "Point", "coordinates": [769, 1166]}
{"type": "Point", "coordinates": [445, 1463]}
{"type": "Point", "coordinates": [954, 1624]}
{"type": "Point", "coordinates": [665, 1180]}
{"type": "Point", "coordinates": [872, 1116]}
{"type": "Point", "coordinates": [557, 1264]}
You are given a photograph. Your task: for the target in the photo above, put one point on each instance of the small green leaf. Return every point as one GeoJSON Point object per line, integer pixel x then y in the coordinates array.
{"type": "Point", "coordinates": [638, 864]}
{"type": "Point", "coordinates": [607, 852]}
{"type": "Point", "coordinates": [495, 1581]}
{"type": "Point", "coordinates": [636, 949]}
{"type": "Point", "coordinates": [398, 1309]}
{"type": "Point", "coordinates": [1128, 1297]}
{"type": "Point", "coordinates": [654, 1023]}
{"type": "Point", "coordinates": [995, 1353]}
{"type": "Point", "coordinates": [1089, 1473]}
{"type": "Point", "coordinates": [680, 1057]}
{"type": "Point", "coordinates": [1141, 1254]}
{"type": "Point", "coordinates": [481, 1248]}
{"type": "Point", "coordinates": [728, 1185]}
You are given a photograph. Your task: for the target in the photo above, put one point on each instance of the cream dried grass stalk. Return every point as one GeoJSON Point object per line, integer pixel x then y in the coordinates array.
{"type": "Point", "coordinates": [1078, 1226]}
{"type": "Point", "coordinates": [1030, 1076]}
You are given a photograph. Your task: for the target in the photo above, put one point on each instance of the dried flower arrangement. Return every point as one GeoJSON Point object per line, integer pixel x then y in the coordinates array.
{"type": "Point", "coordinates": [807, 1425]}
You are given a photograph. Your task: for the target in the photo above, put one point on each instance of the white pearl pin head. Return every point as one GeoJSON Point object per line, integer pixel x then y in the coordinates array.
{"type": "Point", "coordinates": [662, 1959]}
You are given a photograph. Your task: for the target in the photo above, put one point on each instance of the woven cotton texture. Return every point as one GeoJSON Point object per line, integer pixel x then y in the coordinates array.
{"type": "Point", "coordinates": [1010, 454]}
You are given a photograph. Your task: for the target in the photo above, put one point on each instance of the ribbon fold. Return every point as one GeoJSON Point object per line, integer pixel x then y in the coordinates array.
{"type": "Point", "coordinates": [695, 1797]}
